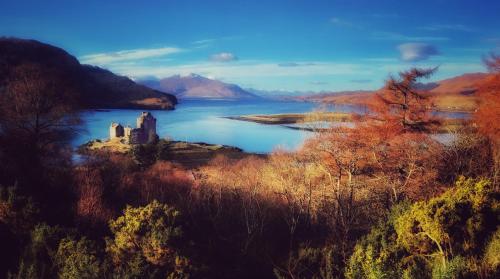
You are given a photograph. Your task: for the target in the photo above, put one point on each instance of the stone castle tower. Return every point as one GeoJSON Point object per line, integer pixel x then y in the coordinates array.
{"type": "Point", "coordinates": [144, 133]}
{"type": "Point", "coordinates": [116, 130]}
{"type": "Point", "coordinates": [147, 123]}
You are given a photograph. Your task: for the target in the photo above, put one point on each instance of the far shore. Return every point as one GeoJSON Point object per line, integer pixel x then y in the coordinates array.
{"type": "Point", "coordinates": [286, 120]}
{"type": "Point", "coordinates": [294, 118]}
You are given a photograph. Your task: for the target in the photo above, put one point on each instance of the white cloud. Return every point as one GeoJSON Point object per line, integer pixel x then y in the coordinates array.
{"type": "Point", "coordinates": [340, 22]}
{"type": "Point", "coordinates": [447, 27]}
{"type": "Point", "coordinates": [344, 23]}
{"type": "Point", "coordinates": [361, 80]}
{"type": "Point", "coordinates": [223, 57]}
{"type": "Point", "coordinates": [244, 69]}
{"type": "Point", "coordinates": [318, 82]}
{"type": "Point", "coordinates": [412, 52]}
{"type": "Point", "coordinates": [381, 60]}
{"type": "Point", "coordinates": [386, 15]}
{"type": "Point", "coordinates": [203, 42]}
{"type": "Point", "coordinates": [294, 64]}
{"type": "Point", "coordinates": [269, 75]}
{"type": "Point", "coordinates": [259, 69]}
{"type": "Point", "coordinates": [392, 36]}
{"type": "Point", "coordinates": [127, 55]}
{"type": "Point", "coordinates": [495, 40]}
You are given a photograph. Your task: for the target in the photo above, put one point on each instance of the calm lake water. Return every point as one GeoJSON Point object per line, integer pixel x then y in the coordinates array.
{"type": "Point", "coordinates": [202, 121]}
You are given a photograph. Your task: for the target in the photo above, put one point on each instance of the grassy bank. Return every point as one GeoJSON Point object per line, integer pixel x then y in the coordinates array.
{"type": "Point", "coordinates": [188, 154]}
{"type": "Point", "coordinates": [194, 154]}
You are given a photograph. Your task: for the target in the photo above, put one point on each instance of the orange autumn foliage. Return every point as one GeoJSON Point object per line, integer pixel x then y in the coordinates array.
{"type": "Point", "coordinates": [91, 209]}
{"type": "Point", "coordinates": [488, 114]}
{"type": "Point", "coordinates": [403, 105]}
{"type": "Point", "coordinates": [163, 181]}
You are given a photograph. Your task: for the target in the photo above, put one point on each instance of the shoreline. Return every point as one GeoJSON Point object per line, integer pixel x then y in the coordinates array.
{"type": "Point", "coordinates": [438, 108]}
{"type": "Point", "coordinates": [294, 118]}
{"type": "Point", "coordinates": [189, 154]}
{"type": "Point", "coordinates": [285, 120]}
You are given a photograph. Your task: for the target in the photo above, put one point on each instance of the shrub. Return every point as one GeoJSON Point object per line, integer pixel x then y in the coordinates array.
{"type": "Point", "coordinates": [17, 211]}
{"type": "Point", "coordinates": [377, 254]}
{"type": "Point", "coordinates": [144, 154]}
{"type": "Point", "coordinates": [453, 224]}
{"type": "Point", "coordinates": [439, 238]}
{"type": "Point", "coordinates": [78, 259]}
{"type": "Point", "coordinates": [37, 259]}
{"type": "Point", "coordinates": [492, 253]}
{"type": "Point", "coordinates": [146, 240]}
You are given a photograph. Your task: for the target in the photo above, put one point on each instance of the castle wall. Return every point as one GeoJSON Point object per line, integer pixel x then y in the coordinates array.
{"type": "Point", "coordinates": [144, 133]}
{"type": "Point", "coordinates": [116, 131]}
{"type": "Point", "coordinates": [148, 123]}
{"type": "Point", "coordinates": [126, 132]}
{"type": "Point", "coordinates": [137, 136]}
{"type": "Point", "coordinates": [151, 130]}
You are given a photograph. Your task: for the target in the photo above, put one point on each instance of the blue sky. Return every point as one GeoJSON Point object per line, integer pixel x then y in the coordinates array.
{"type": "Point", "coordinates": [329, 45]}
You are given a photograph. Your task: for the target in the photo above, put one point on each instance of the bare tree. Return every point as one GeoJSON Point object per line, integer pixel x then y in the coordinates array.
{"type": "Point", "coordinates": [37, 111]}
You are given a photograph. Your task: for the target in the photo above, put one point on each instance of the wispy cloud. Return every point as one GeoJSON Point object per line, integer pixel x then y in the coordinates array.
{"type": "Point", "coordinates": [472, 49]}
{"type": "Point", "coordinates": [386, 15]}
{"type": "Point", "coordinates": [294, 64]}
{"type": "Point", "coordinates": [339, 22]}
{"type": "Point", "coordinates": [203, 42]}
{"type": "Point", "coordinates": [361, 80]}
{"type": "Point", "coordinates": [392, 36]}
{"type": "Point", "coordinates": [243, 69]}
{"type": "Point", "coordinates": [495, 40]}
{"type": "Point", "coordinates": [381, 60]}
{"type": "Point", "coordinates": [447, 27]}
{"type": "Point", "coordinates": [412, 52]}
{"type": "Point", "coordinates": [127, 55]}
{"type": "Point", "coordinates": [210, 41]}
{"type": "Point", "coordinates": [317, 82]}
{"type": "Point", "coordinates": [223, 57]}
{"type": "Point", "coordinates": [269, 75]}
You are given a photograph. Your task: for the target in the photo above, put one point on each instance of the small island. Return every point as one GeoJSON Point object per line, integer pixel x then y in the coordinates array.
{"type": "Point", "coordinates": [144, 139]}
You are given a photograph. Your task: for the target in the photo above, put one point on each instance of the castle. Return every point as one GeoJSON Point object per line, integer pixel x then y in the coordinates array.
{"type": "Point", "coordinates": [144, 133]}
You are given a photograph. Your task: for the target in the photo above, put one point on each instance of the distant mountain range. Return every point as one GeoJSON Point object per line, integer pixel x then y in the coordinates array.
{"type": "Point", "coordinates": [454, 94]}
{"type": "Point", "coordinates": [198, 87]}
{"type": "Point", "coordinates": [278, 94]}
{"type": "Point", "coordinates": [93, 86]}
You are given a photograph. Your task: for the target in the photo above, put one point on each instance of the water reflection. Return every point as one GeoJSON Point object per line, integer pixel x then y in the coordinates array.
{"type": "Point", "coordinates": [202, 121]}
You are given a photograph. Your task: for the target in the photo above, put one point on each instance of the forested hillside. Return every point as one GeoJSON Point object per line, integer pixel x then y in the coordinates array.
{"type": "Point", "coordinates": [89, 86]}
